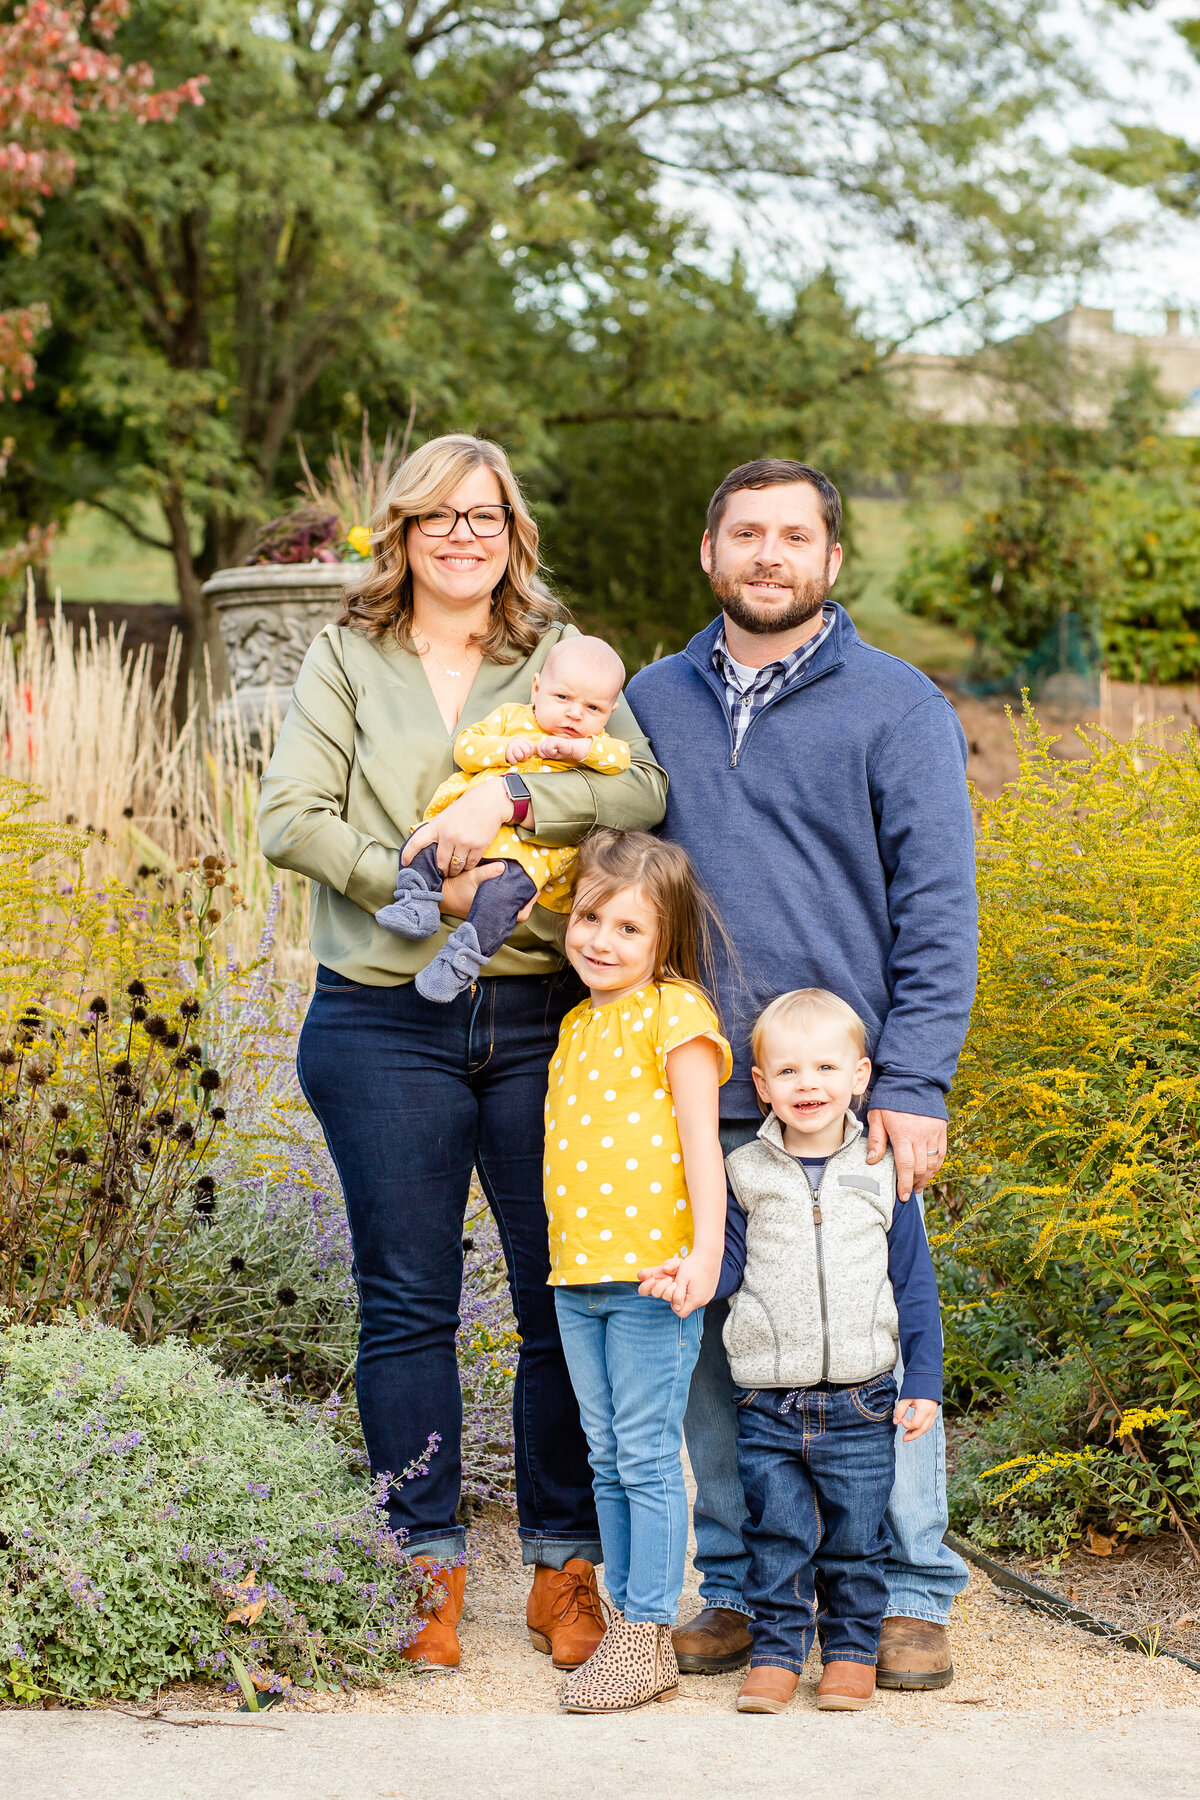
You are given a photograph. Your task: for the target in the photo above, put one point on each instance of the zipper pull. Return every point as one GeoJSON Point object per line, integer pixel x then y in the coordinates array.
{"type": "Point", "coordinates": [817, 1220]}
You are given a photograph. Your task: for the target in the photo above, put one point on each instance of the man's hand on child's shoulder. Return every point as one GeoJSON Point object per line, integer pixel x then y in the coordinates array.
{"type": "Point", "coordinates": [917, 1416]}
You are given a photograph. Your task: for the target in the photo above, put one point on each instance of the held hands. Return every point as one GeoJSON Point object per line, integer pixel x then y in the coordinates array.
{"type": "Point", "coordinates": [918, 1145]}
{"type": "Point", "coordinates": [917, 1416]}
{"type": "Point", "coordinates": [685, 1283]}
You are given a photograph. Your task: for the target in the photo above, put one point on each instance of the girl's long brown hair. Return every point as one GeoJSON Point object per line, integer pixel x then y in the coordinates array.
{"type": "Point", "coordinates": [522, 604]}
{"type": "Point", "coordinates": [690, 931]}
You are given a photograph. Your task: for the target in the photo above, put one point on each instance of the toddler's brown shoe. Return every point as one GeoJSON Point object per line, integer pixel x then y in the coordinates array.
{"type": "Point", "coordinates": [766, 1689]}
{"type": "Point", "coordinates": [846, 1687]}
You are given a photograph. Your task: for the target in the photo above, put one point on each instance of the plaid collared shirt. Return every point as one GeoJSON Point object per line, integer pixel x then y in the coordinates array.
{"type": "Point", "coordinates": [744, 702]}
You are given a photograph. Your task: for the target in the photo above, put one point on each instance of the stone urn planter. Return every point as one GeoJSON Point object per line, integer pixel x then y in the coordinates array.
{"type": "Point", "coordinates": [268, 616]}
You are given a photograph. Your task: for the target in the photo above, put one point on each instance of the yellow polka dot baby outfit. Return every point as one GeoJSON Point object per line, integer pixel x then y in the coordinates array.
{"type": "Point", "coordinates": [616, 1198]}
{"type": "Point", "coordinates": [479, 752]}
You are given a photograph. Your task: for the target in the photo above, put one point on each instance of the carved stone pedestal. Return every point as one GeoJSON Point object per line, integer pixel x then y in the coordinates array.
{"type": "Point", "coordinates": [268, 616]}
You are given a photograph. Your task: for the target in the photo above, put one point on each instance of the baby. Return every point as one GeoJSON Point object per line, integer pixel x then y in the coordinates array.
{"type": "Point", "coordinates": [572, 699]}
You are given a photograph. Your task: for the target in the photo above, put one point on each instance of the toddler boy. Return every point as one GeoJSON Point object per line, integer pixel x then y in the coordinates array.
{"type": "Point", "coordinates": [572, 699]}
{"type": "Point", "coordinates": [835, 1277]}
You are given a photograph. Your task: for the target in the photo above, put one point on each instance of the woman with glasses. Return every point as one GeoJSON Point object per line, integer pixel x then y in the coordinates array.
{"type": "Point", "coordinates": [451, 621]}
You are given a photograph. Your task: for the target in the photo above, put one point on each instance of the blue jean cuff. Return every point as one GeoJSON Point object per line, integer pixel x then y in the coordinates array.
{"type": "Point", "coordinates": [646, 1618]}
{"type": "Point", "coordinates": [779, 1662]}
{"type": "Point", "coordinates": [556, 1553]}
{"type": "Point", "coordinates": [727, 1603]}
{"type": "Point", "coordinates": [914, 1612]}
{"type": "Point", "coordinates": [854, 1656]}
{"type": "Point", "coordinates": [447, 1548]}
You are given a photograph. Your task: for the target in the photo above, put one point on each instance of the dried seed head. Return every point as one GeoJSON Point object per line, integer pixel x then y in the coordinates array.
{"type": "Point", "coordinates": [126, 1091]}
{"type": "Point", "coordinates": [7, 1057]}
{"type": "Point", "coordinates": [124, 1067]}
{"type": "Point", "coordinates": [184, 1131]}
{"type": "Point", "coordinates": [164, 1119]}
{"type": "Point", "coordinates": [287, 1296]}
{"type": "Point", "coordinates": [210, 1080]}
{"type": "Point", "coordinates": [211, 862]}
{"type": "Point", "coordinates": [217, 1113]}
{"type": "Point", "coordinates": [60, 1111]}
{"type": "Point", "coordinates": [237, 1265]}
{"type": "Point", "coordinates": [206, 1208]}
{"type": "Point", "coordinates": [189, 1008]}
{"type": "Point", "coordinates": [137, 1014]}
{"type": "Point", "coordinates": [136, 990]}
{"type": "Point", "coordinates": [156, 1026]}
{"type": "Point", "coordinates": [98, 1005]}
{"type": "Point", "coordinates": [206, 1185]}
{"type": "Point", "coordinates": [36, 1075]}
{"type": "Point", "coordinates": [79, 1156]}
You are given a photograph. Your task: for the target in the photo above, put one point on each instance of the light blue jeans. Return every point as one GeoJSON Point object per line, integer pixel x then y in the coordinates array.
{"type": "Point", "coordinates": [631, 1362]}
{"type": "Point", "coordinates": [923, 1574]}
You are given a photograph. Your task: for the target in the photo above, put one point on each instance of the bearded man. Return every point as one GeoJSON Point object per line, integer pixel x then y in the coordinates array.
{"type": "Point", "coordinates": [819, 786]}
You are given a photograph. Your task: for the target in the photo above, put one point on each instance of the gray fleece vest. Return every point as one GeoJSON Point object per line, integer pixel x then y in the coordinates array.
{"type": "Point", "coordinates": [815, 1302]}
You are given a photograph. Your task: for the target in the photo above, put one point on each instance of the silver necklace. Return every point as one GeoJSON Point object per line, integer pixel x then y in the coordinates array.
{"type": "Point", "coordinates": [454, 674]}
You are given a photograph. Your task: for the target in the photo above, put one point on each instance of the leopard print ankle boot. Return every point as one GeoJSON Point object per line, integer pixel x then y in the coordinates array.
{"type": "Point", "coordinates": [632, 1665]}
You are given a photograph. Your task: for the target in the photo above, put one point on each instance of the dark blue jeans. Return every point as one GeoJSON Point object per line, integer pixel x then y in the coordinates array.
{"type": "Point", "coordinates": [411, 1096]}
{"type": "Point", "coordinates": [817, 1465]}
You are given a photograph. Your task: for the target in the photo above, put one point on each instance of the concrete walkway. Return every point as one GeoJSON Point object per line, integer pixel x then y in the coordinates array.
{"type": "Point", "coordinates": [648, 1755]}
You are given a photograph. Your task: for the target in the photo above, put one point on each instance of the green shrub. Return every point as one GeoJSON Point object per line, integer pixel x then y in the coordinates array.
{"type": "Point", "coordinates": [1073, 1187]}
{"type": "Point", "coordinates": [144, 1496]}
{"type": "Point", "coordinates": [1118, 548]}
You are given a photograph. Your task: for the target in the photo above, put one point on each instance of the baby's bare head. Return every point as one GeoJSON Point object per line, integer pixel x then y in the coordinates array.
{"type": "Point", "coordinates": [578, 687]}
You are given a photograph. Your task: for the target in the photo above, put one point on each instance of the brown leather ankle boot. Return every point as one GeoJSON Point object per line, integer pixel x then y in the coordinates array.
{"type": "Point", "coordinates": [846, 1687]}
{"type": "Point", "coordinates": [766, 1689]}
{"type": "Point", "coordinates": [914, 1653]}
{"type": "Point", "coordinates": [563, 1612]}
{"type": "Point", "coordinates": [437, 1641]}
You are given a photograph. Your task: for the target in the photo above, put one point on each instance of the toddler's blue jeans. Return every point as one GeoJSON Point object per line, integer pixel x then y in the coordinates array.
{"type": "Point", "coordinates": [817, 1464]}
{"type": "Point", "coordinates": [631, 1362]}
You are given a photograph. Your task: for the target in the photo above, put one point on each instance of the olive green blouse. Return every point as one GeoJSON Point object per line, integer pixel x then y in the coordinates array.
{"type": "Point", "coordinates": [360, 753]}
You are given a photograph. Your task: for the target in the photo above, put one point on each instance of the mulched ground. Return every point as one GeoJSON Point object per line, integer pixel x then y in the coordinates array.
{"type": "Point", "coordinates": [1151, 1589]}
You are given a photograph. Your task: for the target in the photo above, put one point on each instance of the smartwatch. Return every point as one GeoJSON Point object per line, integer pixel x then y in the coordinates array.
{"type": "Point", "coordinates": [520, 796]}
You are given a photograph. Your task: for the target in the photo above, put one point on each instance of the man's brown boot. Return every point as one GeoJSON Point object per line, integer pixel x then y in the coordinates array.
{"type": "Point", "coordinates": [914, 1653]}
{"type": "Point", "coordinates": [845, 1687]}
{"type": "Point", "coordinates": [437, 1641]}
{"type": "Point", "coordinates": [766, 1689]}
{"type": "Point", "coordinates": [563, 1612]}
{"type": "Point", "coordinates": [717, 1639]}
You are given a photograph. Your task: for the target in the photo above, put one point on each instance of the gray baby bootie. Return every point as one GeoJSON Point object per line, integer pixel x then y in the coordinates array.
{"type": "Point", "coordinates": [414, 913]}
{"type": "Point", "coordinates": [455, 967]}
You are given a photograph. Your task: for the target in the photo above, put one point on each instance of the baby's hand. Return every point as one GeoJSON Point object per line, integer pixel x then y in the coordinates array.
{"type": "Point", "coordinates": [917, 1416]}
{"type": "Point", "coordinates": [520, 750]}
{"type": "Point", "coordinates": [564, 749]}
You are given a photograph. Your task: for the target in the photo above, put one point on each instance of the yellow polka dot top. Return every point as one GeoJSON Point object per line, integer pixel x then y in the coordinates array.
{"type": "Point", "coordinates": [616, 1198]}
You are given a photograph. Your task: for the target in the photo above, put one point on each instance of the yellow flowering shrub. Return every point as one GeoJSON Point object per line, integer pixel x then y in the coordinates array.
{"type": "Point", "coordinates": [1074, 1181]}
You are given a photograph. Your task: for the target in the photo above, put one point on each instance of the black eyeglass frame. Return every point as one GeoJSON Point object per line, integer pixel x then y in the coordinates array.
{"type": "Point", "coordinates": [487, 506]}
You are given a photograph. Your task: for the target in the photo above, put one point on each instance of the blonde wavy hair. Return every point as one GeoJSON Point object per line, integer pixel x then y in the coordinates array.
{"type": "Point", "coordinates": [522, 604]}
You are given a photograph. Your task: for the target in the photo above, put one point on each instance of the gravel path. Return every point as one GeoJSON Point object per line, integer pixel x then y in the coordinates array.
{"type": "Point", "coordinates": [1008, 1661]}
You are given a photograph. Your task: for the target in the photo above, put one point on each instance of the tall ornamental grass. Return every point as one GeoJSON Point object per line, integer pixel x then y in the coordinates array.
{"type": "Point", "coordinates": [1072, 1198]}
{"type": "Point", "coordinates": [154, 786]}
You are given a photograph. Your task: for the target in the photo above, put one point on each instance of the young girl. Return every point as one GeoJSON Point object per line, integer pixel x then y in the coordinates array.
{"type": "Point", "coordinates": [634, 1174]}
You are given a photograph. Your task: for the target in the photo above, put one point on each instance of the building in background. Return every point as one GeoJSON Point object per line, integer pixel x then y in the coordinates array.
{"type": "Point", "coordinates": [1070, 368]}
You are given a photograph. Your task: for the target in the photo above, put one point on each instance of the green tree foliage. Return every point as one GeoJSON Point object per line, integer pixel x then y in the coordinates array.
{"type": "Point", "coordinates": [452, 207]}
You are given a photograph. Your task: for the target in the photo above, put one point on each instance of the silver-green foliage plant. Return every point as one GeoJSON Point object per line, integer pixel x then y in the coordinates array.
{"type": "Point", "coordinates": [158, 1519]}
